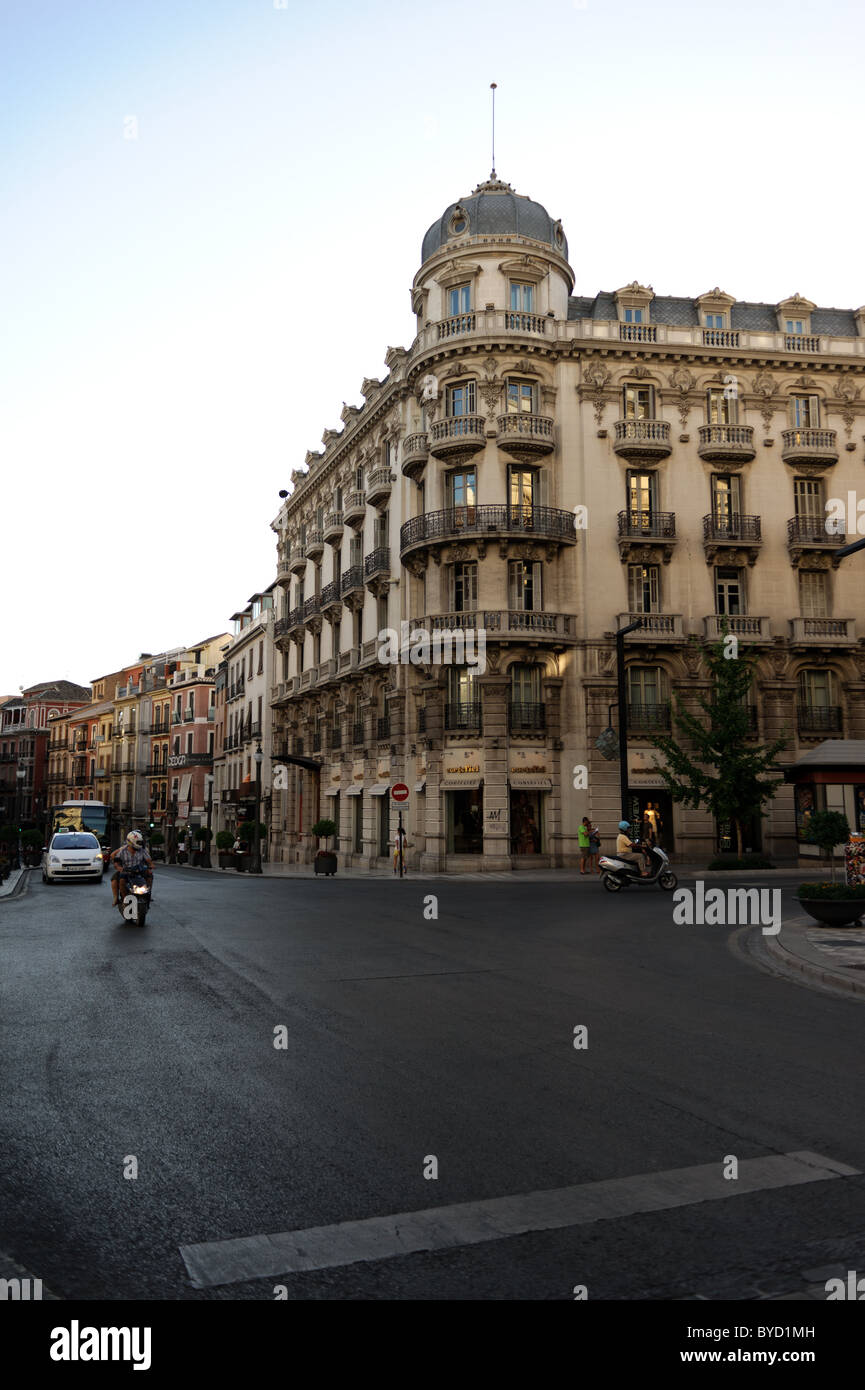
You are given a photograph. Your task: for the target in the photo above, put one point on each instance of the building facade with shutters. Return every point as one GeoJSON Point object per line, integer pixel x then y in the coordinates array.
{"type": "Point", "coordinates": [536, 470]}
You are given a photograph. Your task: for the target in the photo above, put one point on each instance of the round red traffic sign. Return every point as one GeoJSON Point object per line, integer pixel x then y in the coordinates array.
{"type": "Point", "coordinates": [399, 791]}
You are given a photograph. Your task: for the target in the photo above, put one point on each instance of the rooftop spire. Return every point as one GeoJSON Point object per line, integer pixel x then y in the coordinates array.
{"type": "Point", "coordinates": [493, 86]}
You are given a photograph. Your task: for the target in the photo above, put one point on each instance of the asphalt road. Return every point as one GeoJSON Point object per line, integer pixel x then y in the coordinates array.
{"type": "Point", "coordinates": [409, 1037]}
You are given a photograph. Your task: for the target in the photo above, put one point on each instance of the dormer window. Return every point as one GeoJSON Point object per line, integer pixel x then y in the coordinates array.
{"type": "Point", "coordinates": [795, 326]}
{"type": "Point", "coordinates": [522, 297]}
{"type": "Point", "coordinates": [633, 316]}
{"type": "Point", "coordinates": [459, 300]}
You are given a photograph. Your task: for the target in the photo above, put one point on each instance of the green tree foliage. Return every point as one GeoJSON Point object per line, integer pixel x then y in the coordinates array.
{"type": "Point", "coordinates": [716, 764]}
{"type": "Point", "coordinates": [828, 829]}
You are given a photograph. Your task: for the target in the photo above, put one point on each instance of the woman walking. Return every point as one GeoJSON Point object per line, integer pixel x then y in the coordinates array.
{"type": "Point", "coordinates": [584, 837]}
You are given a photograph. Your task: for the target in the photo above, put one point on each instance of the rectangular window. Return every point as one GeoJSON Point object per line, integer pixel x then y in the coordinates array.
{"type": "Point", "coordinates": [189, 743]}
{"type": "Point", "coordinates": [524, 586]}
{"type": "Point", "coordinates": [522, 492]}
{"type": "Point", "coordinates": [465, 587]}
{"type": "Point", "coordinates": [808, 495]}
{"type": "Point", "coordinates": [521, 397]}
{"type": "Point", "coordinates": [644, 684]}
{"type": "Point", "coordinates": [642, 496]}
{"type": "Point", "coordinates": [639, 403]}
{"type": "Point", "coordinates": [382, 612]}
{"type": "Point", "coordinates": [336, 632]}
{"type": "Point", "coordinates": [460, 399]}
{"type": "Point", "coordinates": [806, 412]}
{"type": "Point", "coordinates": [794, 325]}
{"type": "Point", "coordinates": [462, 493]}
{"type": "Point", "coordinates": [726, 505]}
{"type": "Point", "coordinates": [643, 589]}
{"type": "Point", "coordinates": [379, 530]}
{"type": "Point", "coordinates": [815, 688]}
{"type": "Point", "coordinates": [813, 594]}
{"type": "Point", "coordinates": [633, 316]}
{"type": "Point", "coordinates": [358, 478]}
{"type": "Point", "coordinates": [720, 408]}
{"type": "Point", "coordinates": [459, 300]}
{"type": "Point", "coordinates": [716, 320]}
{"type": "Point", "coordinates": [522, 297]}
{"type": "Point", "coordinates": [357, 823]}
{"type": "Point", "coordinates": [355, 550]}
{"type": "Point", "coordinates": [729, 595]}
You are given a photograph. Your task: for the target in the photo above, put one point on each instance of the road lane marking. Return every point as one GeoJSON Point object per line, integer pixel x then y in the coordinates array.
{"type": "Point", "coordinates": [472, 1223]}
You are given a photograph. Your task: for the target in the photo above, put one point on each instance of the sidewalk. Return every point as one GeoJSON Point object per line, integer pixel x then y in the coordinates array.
{"type": "Point", "coordinates": [685, 872]}
{"type": "Point", "coordinates": [833, 956]}
{"type": "Point", "coordinates": [14, 885]}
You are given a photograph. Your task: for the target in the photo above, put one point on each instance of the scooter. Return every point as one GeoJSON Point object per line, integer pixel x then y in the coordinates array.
{"type": "Point", "coordinates": [616, 874]}
{"type": "Point", "coordinates": [137, 901]}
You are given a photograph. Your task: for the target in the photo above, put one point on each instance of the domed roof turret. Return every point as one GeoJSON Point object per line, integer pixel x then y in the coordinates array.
{"type": "Point", "coordinates": [494, 209]}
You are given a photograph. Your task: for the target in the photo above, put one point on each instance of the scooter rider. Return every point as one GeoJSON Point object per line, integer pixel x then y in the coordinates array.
{"type": "Point", "coordinates": [132, 855]}
{"type": "Point", "coordinates": [625, 847]}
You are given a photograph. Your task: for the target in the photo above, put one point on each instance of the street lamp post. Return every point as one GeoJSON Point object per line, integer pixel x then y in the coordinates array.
{"type": "Point", "coordinates": [208, 863]}
{"type": "Point", "coordinates": [20, 775]}
{"type": "Point", "coordinates": [255, 867]}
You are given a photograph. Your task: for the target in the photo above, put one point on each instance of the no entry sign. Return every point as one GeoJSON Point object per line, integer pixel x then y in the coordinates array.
{"type": "Point", "coordinates": [399, 791]}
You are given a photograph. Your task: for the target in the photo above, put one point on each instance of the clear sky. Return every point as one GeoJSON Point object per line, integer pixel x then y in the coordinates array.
{"type": "Point", "coordinates": [185, 312]}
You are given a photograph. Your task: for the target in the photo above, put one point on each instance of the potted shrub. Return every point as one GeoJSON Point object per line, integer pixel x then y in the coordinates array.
{"type": "Point", "coordinates": [157, 840]}
{"type": "Point", "coordinates": [203, 836]}
{"type": "Point", "coordinates": [833, 904]}
{"type": "Point", "coordinates": [224, 842]}
{"type": "Point", "coordinates": [325, 860]}
{"type": "Point", "coordinates": [246, 835]}
{"type": "Point", "coordinates": [828, 829]}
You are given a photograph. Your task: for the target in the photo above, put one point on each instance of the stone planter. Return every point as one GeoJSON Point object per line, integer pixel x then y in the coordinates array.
{"type": "Point", "coordinates": [226, 859]}
{"type": "Point", "coordinates": [325, 864]}
{"type": "Point", "coordinates": [833, 912]}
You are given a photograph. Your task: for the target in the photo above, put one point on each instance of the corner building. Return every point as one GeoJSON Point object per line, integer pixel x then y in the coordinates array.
{"type": "Point", "coordinates": [542, 468]}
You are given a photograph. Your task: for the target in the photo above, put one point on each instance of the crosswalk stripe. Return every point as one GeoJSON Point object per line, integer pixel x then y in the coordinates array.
{"type": "Point", "coordinates": [470, 1223]}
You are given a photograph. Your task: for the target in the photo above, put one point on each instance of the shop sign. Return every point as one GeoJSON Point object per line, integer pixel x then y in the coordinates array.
{"type": "Point", "coordinates": [529, 769]}
{"type": "Point", "coordinates": [643, 764]}
{"type": "Point", "coordinates": [461, 767]}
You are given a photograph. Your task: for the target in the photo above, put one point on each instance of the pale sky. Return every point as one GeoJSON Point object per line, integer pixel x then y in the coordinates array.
{"type": "Point", "coordinates": [185, 312]}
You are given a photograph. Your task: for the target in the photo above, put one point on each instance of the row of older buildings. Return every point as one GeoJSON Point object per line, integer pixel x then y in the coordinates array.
{"type": "Point", "coordinates": [537, 470]}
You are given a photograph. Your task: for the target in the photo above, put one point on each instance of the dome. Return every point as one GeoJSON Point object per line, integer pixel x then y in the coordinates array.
{"type": "Point", "coordinates": [494, 209]}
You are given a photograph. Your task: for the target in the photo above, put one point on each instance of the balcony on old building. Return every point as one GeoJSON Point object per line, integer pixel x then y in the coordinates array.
{"type": "Point", "coordinates": [297, 561]}
{"type": "Point", "coordinates": [726, 443]}
{"type": "Point", "coordinates": [642, 439]}
{"type": "Point", "coordinates": [488, 521]}
{"type": "Point", "coordinates": [314, 548]}
{"type": "Point", "coordinates": [378, 486]}
{"type": "Point", "coordinates": [333, 528]}
{"type": "Point", "coordinates": [331, 598]}
{"type": "Point", "coordinates": [801, 342]}
{"type": "Point", "coordinates": [737, 532]}
{"type": "Point", "coordinates": [808, 534]}
{"type": "Point", "coordinates": [638, 333]}
{"type": "Point", "coordinates": [822, 631]}
{"type": "Point", "coordinates": [527, 717]}
{"type": "Point", "coordinates": [415, 452]}
{"type": "Point", "coordinates": [741, 625]}
{"type": "Point", "coordinates": [525, 437]}
{"type": "Point", "coordinates": [295, 618]}
{"type": "Point", "coordinates": [654, 627]}
{"type": "Point", "coordinates": [637, 530]}
{"type": "Point", "coordinates": [643, 718]}
{"type": "Point", "coordinates": [502, 624]}
{"type": "Point", "coordinates": [280, 628]}
{"type": "Point", "coordinates": [354, 509]}
{"type": "Point", "coordinates": [463, 714]}
{"type": "Point", "coordinates": [283, 573]}
{"type": "Point", "coordinates": [348, 660]}
{"type": "Point", "coordinates": [311, 607]}
{"type": "Point", "coordinates": [484, 322]}
{"type": "Point", "coordinates": [352, 580]}
{"type": "Point", "coordinates": [457, 436]}
{"type": "Point", "coordinates": [720, 337]}
{"type": "Point", "coordinates": [376, 564]}
{"type": "Point", "coordinates": [812, 446]}
{"type": "Point", "coordinates": [382, 726]}
{"type": "Point", "coordinates": [819, 719]}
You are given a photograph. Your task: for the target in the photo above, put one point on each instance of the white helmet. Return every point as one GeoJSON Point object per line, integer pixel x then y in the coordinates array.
{"type": "Point", "coordinates": [134, 838]}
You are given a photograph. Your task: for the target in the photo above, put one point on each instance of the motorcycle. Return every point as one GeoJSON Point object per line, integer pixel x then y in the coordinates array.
{"type": "Point", "coordinates": [137, 901]}
{"type": "Point", "coordinates": [617, 874]}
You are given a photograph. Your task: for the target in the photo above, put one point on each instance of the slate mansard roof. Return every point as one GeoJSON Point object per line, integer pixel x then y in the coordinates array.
{"type": "Point", "coordinates": [685, 313]}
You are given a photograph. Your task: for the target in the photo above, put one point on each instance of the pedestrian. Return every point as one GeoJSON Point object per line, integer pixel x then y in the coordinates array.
{"type": "Point", "coordinates": [400, 842]}
{"type": "Point", "coordinates": [584, 837]}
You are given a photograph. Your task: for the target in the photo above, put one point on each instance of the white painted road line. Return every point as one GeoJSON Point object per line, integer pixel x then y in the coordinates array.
{"type": "Point", "coordinates": [472, 1223]}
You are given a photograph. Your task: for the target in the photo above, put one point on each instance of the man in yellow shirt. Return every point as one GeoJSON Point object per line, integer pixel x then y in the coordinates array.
{"type": "Point", "coordinates": [625, 847]}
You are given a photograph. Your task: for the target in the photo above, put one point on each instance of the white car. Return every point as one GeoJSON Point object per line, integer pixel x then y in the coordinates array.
{"type": "Point", "coordinates": [72, 854]}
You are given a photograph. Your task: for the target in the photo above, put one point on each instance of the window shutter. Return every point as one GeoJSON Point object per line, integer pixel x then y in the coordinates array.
{"type": "Point", "coordinates": [537, 592]}
{"type": "Point", "coordinates": [814, 411]}
{"type": "Point", "coordinates": [543, 488]}
{"type": "Point", "coordinates": [513, 584]}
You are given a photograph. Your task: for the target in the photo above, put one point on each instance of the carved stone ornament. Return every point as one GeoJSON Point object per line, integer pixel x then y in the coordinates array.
{"type": "Point", "coordinates": [692, 658]}
{"type": "Point", "coordinates": [490, 386]}
{"type": "Point", "coordinates": [847, 392]}
{"type": "Point", "coordinates": [596, 377]}
{"type": "Point", "coordinates": [494, 656]}
{"type": "Point", "coordinates": [764, 386]}
{"type": "Point", "coordinates": [459, 553]}
{"type": "Point", "coordinates": [683, 382]}
{"type": "Point", "coordinates": [859, 660]}
{"type": "Point", "coordinates": [639, 371]}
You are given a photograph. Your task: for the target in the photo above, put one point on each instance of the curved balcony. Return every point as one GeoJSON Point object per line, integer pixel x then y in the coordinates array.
{"type": "Point", "coordinates": [376, 564]}
{"type": "Point", "coordinates": [642, 439]}
{"type": "Point", "coordinates": [311, 607]}
{"type": "Point", "coordinates": [314, 548]}
{"type": "Point", "coordinates": [333, 528]}
{"type": "Point", "coordinates": [331, 599]}
{"type": "Point", "coordinates": [297, 562]}
{"type": "Point", "coordinates": [415, 452]}
{"type": "Point", "coordinates": [639, 530]}
{"type": "Point", "coordinates": [811, 533]}
{"type": "Point", "coordinates": [737, 530]}
{"type": "Point", "coordinates": [809, 447]}
{"type": "Point", "coordinates": [455, 523]}
{"type": "Point", "coordinates": [726, 443]}
{"type": "Point", "coordinates": [457, 436]}
{"type": "Point", "coordinates": [378, 486]}
{"type": "Point", "coordinates": [352, 581]}
{"type": "Point", "coordinates": [283, 573]}
{"type": "Point", "coordinates": [525, 437]}
{"type": "Point", "coordinates": [354, 509]}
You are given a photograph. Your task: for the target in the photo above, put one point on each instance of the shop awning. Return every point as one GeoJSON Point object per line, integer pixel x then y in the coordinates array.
{"type": "Point", "coordinates": [355, 791]}
{"type": "Point", "coordinates": [462, 781]}
{"type": "Point", "coordinates": [380, 789]}
{"type": "Point", "coordinates": [185, 784]}
{"type": "Point", "coordinates": [527, 782]}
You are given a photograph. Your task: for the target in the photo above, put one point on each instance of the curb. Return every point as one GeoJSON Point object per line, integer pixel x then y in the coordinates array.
{"type": "Point", "coordinates": [10, 1270]}
{"type": "Point", "coordinates": [20, 888]}
{"type": "Point", "coordinates": [809, 969]}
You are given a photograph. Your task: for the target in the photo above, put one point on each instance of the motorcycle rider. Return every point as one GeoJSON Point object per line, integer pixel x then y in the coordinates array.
{"type": "Point", "coordinates": [625, 847]}
{"type": "Point", "coordinates": [132, 855]}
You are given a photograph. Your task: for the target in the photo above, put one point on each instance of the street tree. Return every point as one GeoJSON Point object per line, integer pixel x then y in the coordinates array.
{"type": "Point", "coordinates": [828, 829]}
{"type": "Point", "coordinates": [714, 763]}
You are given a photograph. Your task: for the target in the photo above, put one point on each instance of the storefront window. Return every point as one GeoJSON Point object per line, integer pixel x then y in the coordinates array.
{"type": "Point", "coordinates": [526, 822]}
{"type": "Point", "coordinates": [465, 822]}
